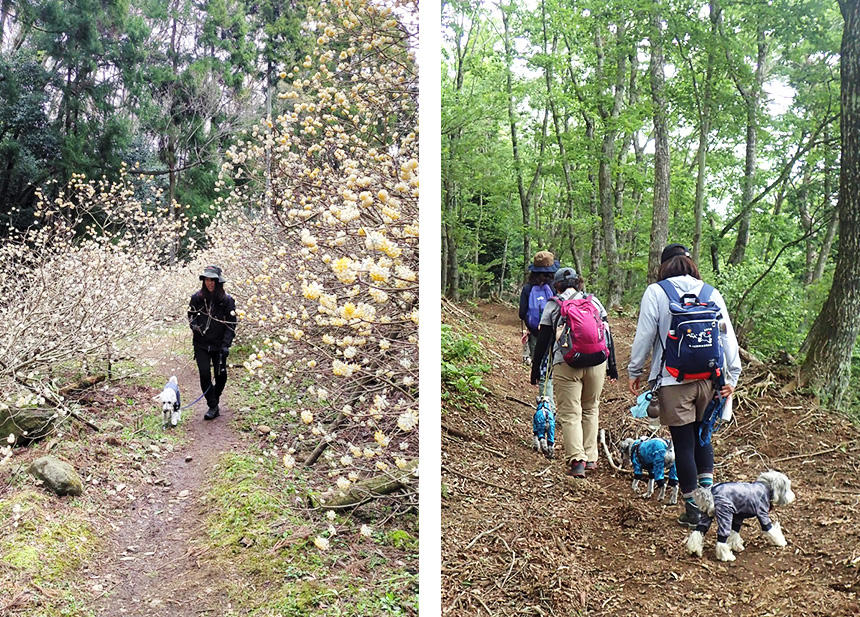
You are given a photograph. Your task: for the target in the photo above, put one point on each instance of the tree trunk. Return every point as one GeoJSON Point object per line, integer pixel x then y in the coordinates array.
{"type": "Point", "coordinates": [806, 223]}
{"type": "Point", "coordinates": [504, 265]}
{"type": "Point", "coordinates": [704, 132]}
{"type": "Point", "coordinates": [477, 244]}
{"type": "Point", "coordinates": [752, 99]}
{"type": "Point", "coordinates": [827, 367]}
{"type": "Point", "coordinates": [604, 172]}
{"type": "Point", "coordinates": [521, 190]}
{"type": "Point", "coordinates": [660, 215]}
{"type": "Point", "coordinates": [824, 253]}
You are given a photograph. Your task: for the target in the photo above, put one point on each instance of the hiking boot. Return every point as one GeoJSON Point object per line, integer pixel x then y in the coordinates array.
{"type": "Point", "coordinates": [212, 413]}
{"type": "Point", "coordinates": [576, 469]}
{"type": "Point", "coordinates": [690, 516]}
{"type": "Point", "coordinates": [590, 465]}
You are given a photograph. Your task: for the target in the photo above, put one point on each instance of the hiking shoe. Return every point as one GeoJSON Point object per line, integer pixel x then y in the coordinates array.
{"type": "Point", "coordinates": [576, 469]}
{"type": "Point", "coordinates": [690, 516]}
{"type": "Point", "coordinates": [212, 413]}
{"type": "Point", "coordinates": [590, 465]}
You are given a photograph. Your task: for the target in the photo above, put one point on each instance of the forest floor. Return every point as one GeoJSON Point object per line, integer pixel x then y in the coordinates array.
{"type": "Point", "coordinates": [521, 538]}
{"type": "Point", "coordinates": [196, 520]}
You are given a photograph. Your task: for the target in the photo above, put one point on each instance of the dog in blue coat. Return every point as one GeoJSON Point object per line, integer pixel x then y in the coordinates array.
{"type": "Point", "coordinates": [656, 457]}
{"type": "Point", "coordinates": [543, 427]}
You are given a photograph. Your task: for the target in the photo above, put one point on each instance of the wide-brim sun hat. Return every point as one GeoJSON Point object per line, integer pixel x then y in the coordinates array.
{"type": "Point", "coordinates": [544, 261]}
{"type": "Point", "coordinates": [213, 272]}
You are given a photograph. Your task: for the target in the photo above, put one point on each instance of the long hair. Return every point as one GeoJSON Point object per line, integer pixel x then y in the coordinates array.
{"type": "Point", "coordinates": [677, 266]}
{"type": "Point", "coordinates": [216, 295]}
{"type": "Point", "coordinates": [540, 278]}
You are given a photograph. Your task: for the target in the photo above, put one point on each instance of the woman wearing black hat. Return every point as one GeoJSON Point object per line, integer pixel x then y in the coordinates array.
{"type": "Point", "coordinates": [212, 317]}
{"type": "Point", "coordinates": [683, 404]}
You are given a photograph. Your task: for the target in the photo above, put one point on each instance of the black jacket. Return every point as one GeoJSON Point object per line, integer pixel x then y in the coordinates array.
{"type": "Point", "coordinates": [213, 325]}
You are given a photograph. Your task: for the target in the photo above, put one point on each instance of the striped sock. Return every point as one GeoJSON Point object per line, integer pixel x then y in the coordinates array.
{"type": "Point", "coordinates": [705, 480]}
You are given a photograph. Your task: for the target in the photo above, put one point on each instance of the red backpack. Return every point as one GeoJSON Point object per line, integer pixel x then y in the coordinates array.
{"type": "Point", "coordinates": [581, 332]}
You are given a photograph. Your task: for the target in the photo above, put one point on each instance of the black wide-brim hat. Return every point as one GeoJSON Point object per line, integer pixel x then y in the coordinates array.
{"type": "Point", "coordinates": [213, 272]}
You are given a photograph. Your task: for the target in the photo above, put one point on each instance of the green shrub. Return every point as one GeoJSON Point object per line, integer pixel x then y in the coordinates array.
{"type": "Point", "coordinates": [463, 367]}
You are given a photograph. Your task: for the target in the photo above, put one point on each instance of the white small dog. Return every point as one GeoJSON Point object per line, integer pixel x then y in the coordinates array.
{"type": "Point", "coordinates": [170, 402]}
{"type": "Point", "coordinates": [732, 502]}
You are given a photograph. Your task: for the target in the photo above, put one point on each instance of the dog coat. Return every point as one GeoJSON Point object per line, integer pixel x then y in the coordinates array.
{"type": "Point", "coordinates": [175, 388]}
{"type": "Point", "coordinates": [734, 502]}
{"type": "Point", "coordinates": [650, 455]}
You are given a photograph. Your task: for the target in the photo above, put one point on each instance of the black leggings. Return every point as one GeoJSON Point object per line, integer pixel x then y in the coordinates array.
{"type": "Point", "coordinates": [691, 459]}
{"type": "Point", "coordinates": [205, 360]}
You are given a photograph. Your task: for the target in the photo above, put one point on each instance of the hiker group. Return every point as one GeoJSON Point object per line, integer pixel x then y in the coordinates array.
{"type": "Point", "coordinates": [684, 327]}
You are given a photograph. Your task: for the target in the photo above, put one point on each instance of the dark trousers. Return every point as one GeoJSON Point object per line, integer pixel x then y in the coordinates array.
{"type": "Point", "coordinates": [206, 361]}
{"type": "Point", "coordinates": [691, 459]}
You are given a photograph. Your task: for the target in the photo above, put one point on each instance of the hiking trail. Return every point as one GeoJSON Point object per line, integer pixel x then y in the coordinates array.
{"type": "Point", "coordinates": [150, 563]}
{"type": "Point", "coordinates": [521, 538]}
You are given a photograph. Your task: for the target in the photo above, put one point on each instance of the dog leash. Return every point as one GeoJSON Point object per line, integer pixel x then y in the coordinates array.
{"type": "Point", "coordinates": [195, 400]}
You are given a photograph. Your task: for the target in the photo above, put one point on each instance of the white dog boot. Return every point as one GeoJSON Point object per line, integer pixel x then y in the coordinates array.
{"type": "Point", "coordinates": [735, 542]}
{"type": "Point", "coordinates": [542, 445]}
{"type": "Point", "coordinates": [724, 553]}
{"type": "Point", "coordinates": [536, 443]}
{"type": "Point", "coordinates": [774, 535]}
{"type": "Point", "coordinates": [174, 418]}
{"type": "Point", "coordinates": [695, 543]}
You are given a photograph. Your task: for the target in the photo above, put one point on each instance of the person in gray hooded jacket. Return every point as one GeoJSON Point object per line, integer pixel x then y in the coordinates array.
{"type": "Point", "coordinates": [682, 404]}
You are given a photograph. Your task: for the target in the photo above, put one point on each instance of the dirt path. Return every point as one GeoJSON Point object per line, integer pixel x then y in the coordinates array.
{"type": "Point", "coordinates": [151, 566]}
{"type": "Point", "coordinates": [519, 538]}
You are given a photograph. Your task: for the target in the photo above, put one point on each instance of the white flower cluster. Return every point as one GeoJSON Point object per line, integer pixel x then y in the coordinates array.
{"type": "Point", "coordinates": [89, 274]}
{"type": "Point", "coordinates": [320, 238]}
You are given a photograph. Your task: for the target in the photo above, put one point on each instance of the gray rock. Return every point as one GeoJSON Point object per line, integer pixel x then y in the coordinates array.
{"type": "Point", "coordinates": [27, 423]}
{"type": "Point", "coordinates": [58, 476]}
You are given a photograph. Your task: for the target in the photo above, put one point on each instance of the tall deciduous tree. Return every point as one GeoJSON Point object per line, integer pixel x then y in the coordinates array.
{"type": "Point", "coordinates": [831, 340]}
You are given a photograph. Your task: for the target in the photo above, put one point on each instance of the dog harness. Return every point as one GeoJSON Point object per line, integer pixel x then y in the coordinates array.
{"type": "Point", "coordinates": [734, 502]}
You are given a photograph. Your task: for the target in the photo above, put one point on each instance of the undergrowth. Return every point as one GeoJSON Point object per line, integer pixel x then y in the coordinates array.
{"type": "Point", "coordinates": [463, 368]}
{"type": "Point", "coordinates": [264, 531]}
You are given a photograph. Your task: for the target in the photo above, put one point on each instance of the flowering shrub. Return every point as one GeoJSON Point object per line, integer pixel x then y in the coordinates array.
{"type": "Point", "coordinates": [318, 232]}
{"type": "Point", "coordinates": [87, 276]}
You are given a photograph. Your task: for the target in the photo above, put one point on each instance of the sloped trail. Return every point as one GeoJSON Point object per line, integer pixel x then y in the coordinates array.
{"type": "Point", "coordinates": [151, 563]}
{"type": "Point", "coordinates": [520, 538]}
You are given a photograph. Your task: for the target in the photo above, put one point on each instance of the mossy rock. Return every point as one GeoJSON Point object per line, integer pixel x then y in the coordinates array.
{"type": "Point", "coordinates": [58, 476]}
{"type": "Point", "coordinates": [27, 423]}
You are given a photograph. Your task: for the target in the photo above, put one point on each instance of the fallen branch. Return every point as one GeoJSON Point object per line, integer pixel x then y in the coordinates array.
{"type": "Point", "coordinates": [85, 382]}
{"type": "Point", "coordinates": [324, 443]}
{"type": "Point", "coordinates": [819, 453]}
{"type": "Point", "coordinates": [362, 492]}
{"type": "Point", "coordinates": [607, 452]}
{"type": "Point", "coordinates": [483, 533]}
{"type": "Point", "coordinates": [78, 416]}
{"type": "Point", "coordinates": [516, 400]}
{"type": "Point", "coordinates": [474, 479]}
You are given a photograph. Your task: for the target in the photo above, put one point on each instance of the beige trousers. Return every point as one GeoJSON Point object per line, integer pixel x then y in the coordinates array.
{"type": "Point", "coordinates": [577, 397]}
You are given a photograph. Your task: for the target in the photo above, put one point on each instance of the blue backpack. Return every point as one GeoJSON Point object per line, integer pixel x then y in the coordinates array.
{"type": "Point", "coordinates": [693, 349]}
{"type": "Point", "coordinates": [538, 297]}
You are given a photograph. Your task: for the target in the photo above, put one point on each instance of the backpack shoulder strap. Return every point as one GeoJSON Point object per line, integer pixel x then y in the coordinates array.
{"type": "Point", "coordinates": [670, 291]}
{"type": "Point", "coordinates": [705, 294]}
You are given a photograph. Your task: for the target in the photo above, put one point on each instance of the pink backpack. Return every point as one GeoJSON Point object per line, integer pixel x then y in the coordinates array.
{"type": "Point", "coordinates": [581, 335]}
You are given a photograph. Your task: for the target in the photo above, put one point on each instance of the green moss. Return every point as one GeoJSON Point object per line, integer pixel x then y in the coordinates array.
{"type": "Point", "coordinates": [251, 501]}
{"type": "Point", "coordinates": [44, 547]}
{"type": "Point", "coordinates": [399, 538]}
